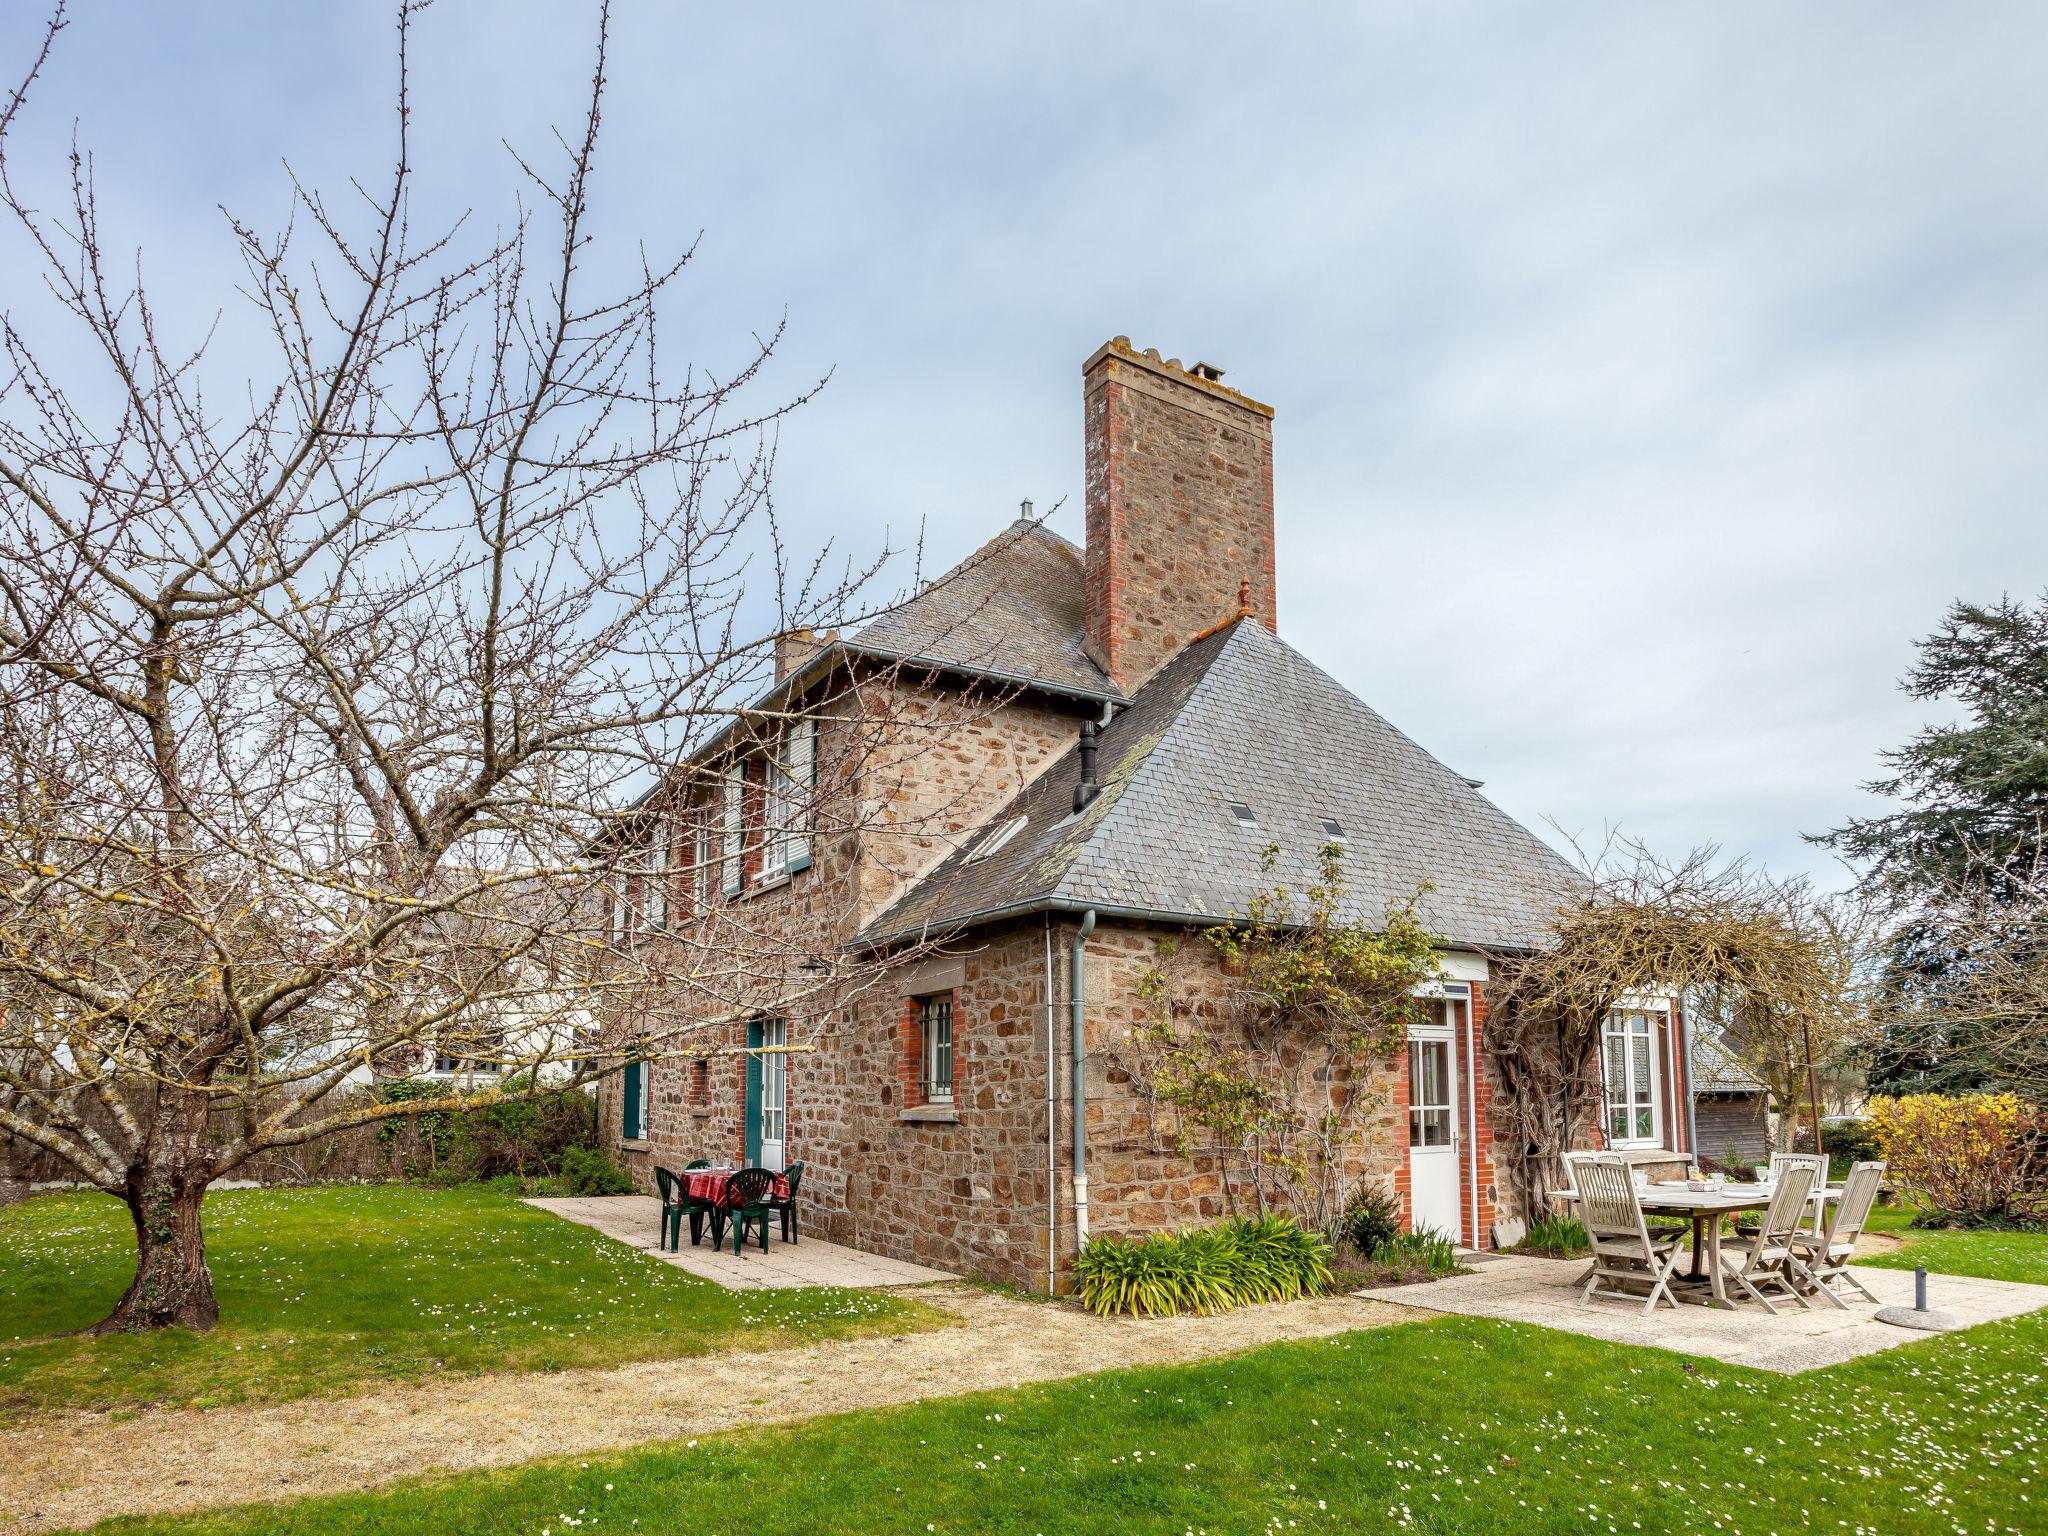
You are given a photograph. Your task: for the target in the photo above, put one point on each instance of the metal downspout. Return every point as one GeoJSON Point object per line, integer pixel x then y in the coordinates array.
{"type": "Point", "coordinates": [1052, 1119]}
{"type": "Point", "coordinates": [1076, 1056]}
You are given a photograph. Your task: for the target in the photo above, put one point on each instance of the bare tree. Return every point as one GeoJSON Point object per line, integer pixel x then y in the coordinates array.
{"type": "Point", "coordinates": [1783, 969]}
{"type": "Point", "coordinates": [318, 695]}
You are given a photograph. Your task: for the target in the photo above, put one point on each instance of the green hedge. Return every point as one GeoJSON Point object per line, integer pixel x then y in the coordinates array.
{"type": "Point", "coordinates": [1208, 1269]}
{"type": "Point", "coordinates": [528, 1138]}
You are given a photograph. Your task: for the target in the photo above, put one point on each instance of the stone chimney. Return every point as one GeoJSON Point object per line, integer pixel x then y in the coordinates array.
{"type": "Point", "coordinates": [1180, 508]}
{"type": "Point", "coordinates": [795, 647]}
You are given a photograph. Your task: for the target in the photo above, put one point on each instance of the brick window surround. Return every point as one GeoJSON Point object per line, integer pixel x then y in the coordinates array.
{"type": "Point", "coordinates": [936, 1010]}
{"type": "Point", "coordinates": [700, 1084]}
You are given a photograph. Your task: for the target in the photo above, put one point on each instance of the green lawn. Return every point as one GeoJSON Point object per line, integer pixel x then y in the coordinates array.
{"type": "Point", "coordinates": [1993, 1255]}
{"type": "Point", "coordinates": [1457, 1425]}
{"type": "Point", "coordinates": [338, 1287]}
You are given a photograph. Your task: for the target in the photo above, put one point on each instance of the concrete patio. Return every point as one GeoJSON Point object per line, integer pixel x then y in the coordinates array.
{"type": "Point", "coordinates": [635, 1220]}
{"type": "Point", "coordinates": [1545, 1291]}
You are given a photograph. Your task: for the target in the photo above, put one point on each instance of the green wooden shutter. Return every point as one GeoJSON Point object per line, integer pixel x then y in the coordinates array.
{"type": "Point", "coordinates": [752, 1145]}
{"type": "Point", "coordinates": [629, 1110]}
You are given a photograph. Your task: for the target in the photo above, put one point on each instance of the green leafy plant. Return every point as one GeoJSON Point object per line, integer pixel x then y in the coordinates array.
{"type": "Point", "coordinates": [1409, 1256]}
{"type": "Point", "coordinates": [1372, 1217]}
{"type": "Point", "coordinates": [1207, 1269]}
{"type": "Point", "coordinates": [1559, 1236]}
{"type": "Point", "coordinates": [527, 1137]}
{"type": "Point", "coordinates": [591, 1171]}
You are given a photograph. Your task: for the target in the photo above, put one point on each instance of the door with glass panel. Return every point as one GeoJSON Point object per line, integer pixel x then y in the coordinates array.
{"type": "Point", "coordinates": [1629, 1076]}
{"type": "Point", "coordinates": [767, 1095]}
{"type": "Point", "coordinates": [1433, 1138]}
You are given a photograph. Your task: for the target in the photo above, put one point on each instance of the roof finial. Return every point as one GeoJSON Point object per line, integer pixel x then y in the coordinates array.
{"type": "Point", "coordinates": [1244, 597]}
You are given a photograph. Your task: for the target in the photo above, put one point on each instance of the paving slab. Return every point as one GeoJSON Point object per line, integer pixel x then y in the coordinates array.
{"type": "Point", "coordinates": [635, 1220]}
{"type": "Point", "coordinates": [1521, 1289]}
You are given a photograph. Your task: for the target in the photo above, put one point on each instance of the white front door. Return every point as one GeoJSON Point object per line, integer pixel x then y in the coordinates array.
{"type": "Point", "coordinates": [774, 1095]}
{"type": "Point", "coordinates": [1433, 1127]}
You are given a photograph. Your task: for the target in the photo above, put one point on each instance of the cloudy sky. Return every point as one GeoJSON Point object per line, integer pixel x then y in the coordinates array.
{"type": "Point", "coordinates": [1647, 378]}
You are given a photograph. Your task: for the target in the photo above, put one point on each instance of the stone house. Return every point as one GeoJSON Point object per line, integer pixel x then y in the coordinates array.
{"type": "Point", "coordinates": [1060, 756]}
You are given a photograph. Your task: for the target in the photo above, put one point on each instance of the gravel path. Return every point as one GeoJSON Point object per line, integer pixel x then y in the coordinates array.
{"type": "Point", "coordinates": [73, 1469]}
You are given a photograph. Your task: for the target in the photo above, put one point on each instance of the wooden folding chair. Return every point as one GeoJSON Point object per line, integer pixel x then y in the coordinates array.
{"type": "Point", "coordinates": [1822, 1261]}
{"type": "Point", "coordinates": [1624, 1252]}
{"type": "Point", "coordinates": [1768, 1259]}
{"type": "Point", "coordinates": [1818, 1162]}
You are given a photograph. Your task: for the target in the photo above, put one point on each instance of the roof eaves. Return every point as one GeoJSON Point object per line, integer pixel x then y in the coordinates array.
{"type": "Point", "coordinates": [1076, 905]}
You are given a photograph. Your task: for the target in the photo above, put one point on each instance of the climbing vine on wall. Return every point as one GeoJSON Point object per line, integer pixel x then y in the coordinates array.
{"type": "Point", "coordinates": [1269, 1070]}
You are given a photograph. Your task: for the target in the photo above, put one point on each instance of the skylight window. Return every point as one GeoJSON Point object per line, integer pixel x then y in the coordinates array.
{"type": "Point", "coordinates": [1333, 830]}
{"type": "Point", "coordinates": [1244, 816]}
{"type": "Point", "coordinates": [999, 835]}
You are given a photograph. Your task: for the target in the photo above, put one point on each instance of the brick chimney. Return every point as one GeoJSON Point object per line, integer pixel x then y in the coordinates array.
{"type": "Point", "coordinates": [1180, 508]}
{"type": "Point", "coordinates": [795, 647]}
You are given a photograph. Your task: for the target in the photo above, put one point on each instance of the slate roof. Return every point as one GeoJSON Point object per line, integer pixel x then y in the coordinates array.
{"type": "Point", "coordinates": [1715, 1069]}
{"type": "Point", "coordinates": [1012, 609]}
{"type": "Point", "coordinates": [1242, 716]}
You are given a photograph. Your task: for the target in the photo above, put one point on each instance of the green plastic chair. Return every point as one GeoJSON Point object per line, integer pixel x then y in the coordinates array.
{"type": "Point", "coordinates": [697, 1210]}
{"type": "Point", "coordinates": [674, 1203]}
{"type": "Point", "coordinates": [787, 1208]}
{"type": "Point", "coordinates": [746, 1206]}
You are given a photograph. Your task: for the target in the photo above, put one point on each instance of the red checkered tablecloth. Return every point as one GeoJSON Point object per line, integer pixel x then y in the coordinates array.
{"type": "Point", "coordinates": [713, 1186]}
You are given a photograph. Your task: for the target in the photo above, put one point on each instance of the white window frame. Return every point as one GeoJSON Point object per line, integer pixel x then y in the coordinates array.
{"type": "Point", "coordinates": [774, 816]}
{"type": "Point", "coordinates": [788, 772]}
{"type": "Point", "coordinates": [775, 1090]}
{"type": "Point", "coordinates": [1619, 1025]}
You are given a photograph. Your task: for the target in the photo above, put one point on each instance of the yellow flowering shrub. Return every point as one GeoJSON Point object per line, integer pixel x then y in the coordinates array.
{"type": "Point", "coordinates": [1973, 1157]}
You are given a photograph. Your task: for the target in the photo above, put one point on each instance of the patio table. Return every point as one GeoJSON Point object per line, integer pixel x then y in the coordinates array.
{"type": "Point", "coordinates": [1704, 1208]}
{"type": "Point", "coordinates": [713, 1186]}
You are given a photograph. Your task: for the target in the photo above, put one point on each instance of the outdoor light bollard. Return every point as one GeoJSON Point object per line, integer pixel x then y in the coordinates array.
{"type": "Point", "coordinates": [1917, 1315]}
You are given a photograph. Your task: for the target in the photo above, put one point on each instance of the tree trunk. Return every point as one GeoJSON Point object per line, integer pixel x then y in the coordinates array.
{"type": "Point", "coordinates": [172, 1285]}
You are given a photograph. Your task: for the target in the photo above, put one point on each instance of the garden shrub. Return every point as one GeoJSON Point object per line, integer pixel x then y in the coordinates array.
{"type": "Point", "coordinates": [1848, 1143]}
{"type": "Point", "coordinates": [523, 1137]}
{"type": "Point", "coordinates": [1208, 1269]}
{"type": "Point", "coordinates": [1373, 1216]}
{"type": "Point", "coordinates": [1978, 1158]}
{"type": "Point", "coordinates": [591, 1171]}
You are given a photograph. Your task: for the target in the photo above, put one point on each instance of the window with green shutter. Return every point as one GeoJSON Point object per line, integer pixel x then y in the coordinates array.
{"type": "Point", "coordinates": [633, 1106]}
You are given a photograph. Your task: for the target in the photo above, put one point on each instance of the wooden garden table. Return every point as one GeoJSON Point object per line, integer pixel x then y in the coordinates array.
{"type": "Point", "coordinates": [1704, 1208]}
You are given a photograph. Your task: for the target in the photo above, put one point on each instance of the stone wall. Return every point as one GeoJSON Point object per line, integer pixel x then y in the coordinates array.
{"type": "Point", "coordinates": [964, 1187]}
{"type": "Point", "coordinates": [909, 767]}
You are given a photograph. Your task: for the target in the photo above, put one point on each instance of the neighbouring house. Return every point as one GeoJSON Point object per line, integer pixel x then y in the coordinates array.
{"type": "Point", "coordinates": [1059, 756]}
{"type": "Point", "coordinates": [1730, 1106]}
